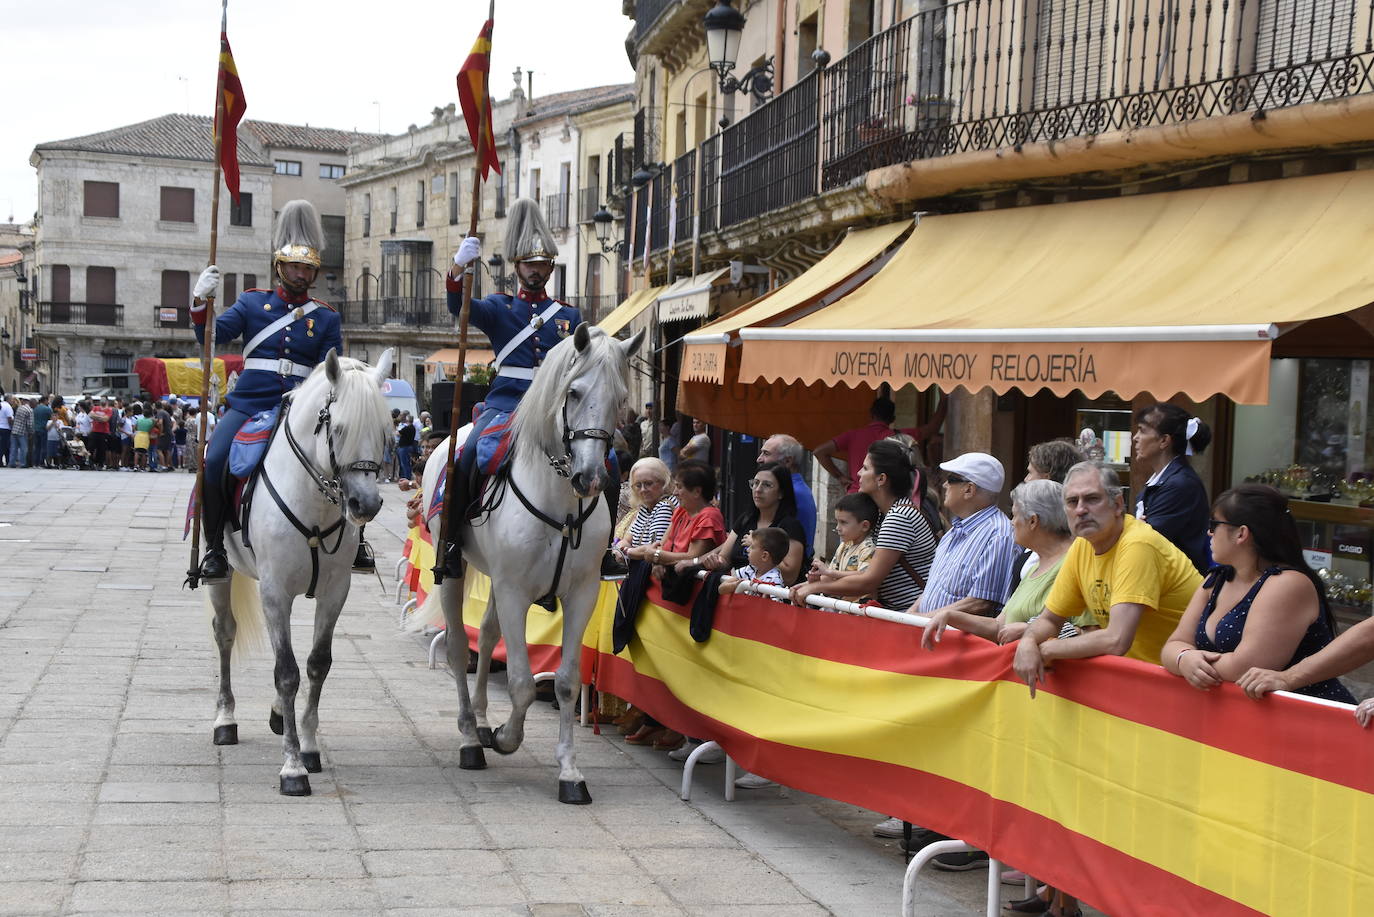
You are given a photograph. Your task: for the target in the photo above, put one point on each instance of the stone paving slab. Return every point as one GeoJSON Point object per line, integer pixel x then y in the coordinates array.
{"type": "Point", "coordinates": [114, 801]}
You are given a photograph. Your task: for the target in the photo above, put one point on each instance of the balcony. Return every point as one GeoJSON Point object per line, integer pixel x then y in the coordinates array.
{"type": "Point", "coordinates": [594, 308]}
{"type": "Point", "coordinates": [988, 75]}
{"type": "Point", "coordinates": [398, 313]}
{"type": "Point", "coordinates": [588, 203]}
{"type": "Point", "coordinates": [556, 211]}
{"type": "Point", "coordinates": [660, 190]}
{"type": "Point", "coordinates": [81, 313]}
{"type": "Point", "coordinates": [670, 27]}
{"type": "Point", "coordinates": [684, 197]}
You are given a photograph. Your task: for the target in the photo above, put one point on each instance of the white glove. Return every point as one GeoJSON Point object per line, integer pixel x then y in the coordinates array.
{"type": "Point", "coordinates": [208, 284]}
{"type": "Point", "coordinates": [469, 251]}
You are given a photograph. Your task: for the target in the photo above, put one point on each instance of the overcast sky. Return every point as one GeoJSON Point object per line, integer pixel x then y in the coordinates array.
{"type": "Point", "coordinates": [75, 67]}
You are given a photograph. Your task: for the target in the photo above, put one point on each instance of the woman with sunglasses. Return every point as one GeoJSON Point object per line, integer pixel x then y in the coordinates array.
{"type": "Point", "coordinates": [1261, 606]}
{"type": "Point", "coordinates": [774, 504]}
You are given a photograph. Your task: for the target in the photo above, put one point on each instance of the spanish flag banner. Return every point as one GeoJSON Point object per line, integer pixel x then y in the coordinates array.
{"type": "Point", "coordinates": [231, 106]}
{"type": "Point", "coordinates": [476, 102]}
{"type": "Point", "coordinates": [1118, 782]}
{"type": "Point", "coordinates": [543, 630]}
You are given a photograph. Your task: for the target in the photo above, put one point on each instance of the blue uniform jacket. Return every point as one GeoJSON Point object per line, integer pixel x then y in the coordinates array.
{"type": "Point", "coordinates": [305, 341]}
{"type": "Point", "coordinates": [501, 317]}
{"type": "Point", "coordinates": [1176, 507]}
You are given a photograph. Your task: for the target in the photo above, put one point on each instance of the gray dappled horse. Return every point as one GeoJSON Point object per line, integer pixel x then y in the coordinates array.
{"type": "Point", "coordinates": [544, 528]}
{"type": "Point", "coordinates": [316, 485]}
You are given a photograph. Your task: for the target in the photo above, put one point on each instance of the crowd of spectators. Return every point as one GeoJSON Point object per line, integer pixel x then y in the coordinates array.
{"type": "Point", "coordinates": [1069, 574]}
{"type": "Point", "coordinates": [98, 433]}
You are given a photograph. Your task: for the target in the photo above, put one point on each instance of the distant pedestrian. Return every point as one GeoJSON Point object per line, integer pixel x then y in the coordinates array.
{"type": "Point", "coordinates": [21, 429]}
{"type": "Point", "coordinates": [6, 425]}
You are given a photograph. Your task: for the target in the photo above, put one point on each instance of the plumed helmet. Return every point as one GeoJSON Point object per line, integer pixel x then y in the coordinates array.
{"type": "Point", "coordinates": [527, 235]}
{"type": "Point", "coordinates": [300, 237]}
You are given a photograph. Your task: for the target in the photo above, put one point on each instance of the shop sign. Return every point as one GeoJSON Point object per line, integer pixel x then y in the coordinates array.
{"type": "Point", "coordinates": [1317, 560]}
{"type": "Point", "coordinates": [28, 353]}
{"type": "Point", "coordinates": [1350, 542]}
{"type": "Point", "coordinates": [167, 315]}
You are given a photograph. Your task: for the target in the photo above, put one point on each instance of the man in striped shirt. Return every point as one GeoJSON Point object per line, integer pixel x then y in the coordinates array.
{"type": "Point", "coordinates": [972, 567]}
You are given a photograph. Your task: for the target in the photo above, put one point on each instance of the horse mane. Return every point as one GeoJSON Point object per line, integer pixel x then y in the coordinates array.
{"type": "Point", "coordinates": [539, 419]}
{"type": "Point", "coordinates": [359, 412]}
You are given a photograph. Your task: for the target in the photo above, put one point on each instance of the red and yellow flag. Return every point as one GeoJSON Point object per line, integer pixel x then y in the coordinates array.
{"type": "Point", "coordinates": [476, 101]}
{"type": "Point", "coordinates": [232, 108]}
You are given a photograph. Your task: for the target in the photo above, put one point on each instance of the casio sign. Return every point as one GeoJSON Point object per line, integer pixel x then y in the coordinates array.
{"type": "Point", "coordinates": [1357, 549]}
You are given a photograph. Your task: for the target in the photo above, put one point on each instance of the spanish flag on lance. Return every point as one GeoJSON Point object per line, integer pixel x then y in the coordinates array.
{"type": "Point", "coordinates": [231, 108]}
{"type": "Point", "coordinates": [476, 101]}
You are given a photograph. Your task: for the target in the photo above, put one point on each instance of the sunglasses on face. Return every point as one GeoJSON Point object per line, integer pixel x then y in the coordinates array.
{"type": "Point", "coordinates": [1213, 523]}
{"type": "Point", "coordinates": [954, 480]}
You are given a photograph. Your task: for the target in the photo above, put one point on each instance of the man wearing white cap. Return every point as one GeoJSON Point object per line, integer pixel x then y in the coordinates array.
{"type": "Point", "coordinates": [972, 567]}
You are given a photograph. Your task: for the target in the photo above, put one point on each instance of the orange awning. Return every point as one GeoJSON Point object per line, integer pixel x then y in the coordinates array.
{"type": "Point", "coordinates": [1104, 295]}
{"type": "Point", "coordinates": [842, 269]}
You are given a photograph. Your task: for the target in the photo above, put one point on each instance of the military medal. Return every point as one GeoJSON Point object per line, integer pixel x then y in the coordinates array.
{"type": "Point", "coordinates": [268, 307]}
{"type": "Point", "coordinates": [299, 313]}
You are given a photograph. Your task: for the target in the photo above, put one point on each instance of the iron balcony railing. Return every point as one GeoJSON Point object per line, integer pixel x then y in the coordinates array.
{"type": "Point", "coordinates": [418, 313]}
{"type": "Point", "coordinates": [768, 159]}
{"type": "Point", "coordinates": [80, 313]}
{"type": "Point", "coordinates": [660, 192]}
{"type": "Point", "coordinates": [588, 203]}
{"type": "Point", "coordinates": [974, 75]}
{"type": "Point", "coordinates": [684, 196]}
{"type": "Point", "coordinates": [556, 211]}
{"type": "Point", "coordinates": [647, 13]}
{"type": "Point", "coordinates": [594, 308]}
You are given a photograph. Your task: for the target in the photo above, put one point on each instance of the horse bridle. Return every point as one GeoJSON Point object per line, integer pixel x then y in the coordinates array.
{"type": "Point", "coordinates": [331, 487]}
{"type": "Point", "coordinates": [563, 465]}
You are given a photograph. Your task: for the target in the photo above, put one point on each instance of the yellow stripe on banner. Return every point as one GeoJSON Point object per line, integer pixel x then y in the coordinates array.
{"type": "Point", "coordinates": [1098, 775]}
{"type": "Point", "coordinates": [541, 628]}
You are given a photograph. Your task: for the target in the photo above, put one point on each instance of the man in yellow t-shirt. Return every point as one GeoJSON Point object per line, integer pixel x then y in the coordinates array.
{"type": "Point", "coordinates": [1128, 576]}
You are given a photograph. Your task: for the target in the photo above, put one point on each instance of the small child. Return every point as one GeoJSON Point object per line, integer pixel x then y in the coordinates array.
{"type": "Point", "coordinates": [856, 516]}
{"type": "Point", "coordinates": [767, 548]}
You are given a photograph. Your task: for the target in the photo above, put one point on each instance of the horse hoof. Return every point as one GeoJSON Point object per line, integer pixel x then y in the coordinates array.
{"type": "Point", "coordinates": [276, 723]}
{"type": "Point", "coordinates": [295, 786]}
{"type": "Point", "coordinates": [311, 760]}
{"type": "Point", "coordinates": [227, 735]}
{"type": "Point", "coordinates": [574, 793]}
{"type": "Point", "coordinates": [496, 742]}
{"type": "Point", "coordinates": [484, 736]}
{"type": "Point", "coordinates": [471, 758]}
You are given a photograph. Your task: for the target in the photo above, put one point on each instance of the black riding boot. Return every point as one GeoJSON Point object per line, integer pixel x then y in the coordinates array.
{"type": "Point", "coordinates": [214, 567]}
{"type": "Point", "coordinates": [364, 561]}
{"type": "Point", "coordinates": [448, 559]}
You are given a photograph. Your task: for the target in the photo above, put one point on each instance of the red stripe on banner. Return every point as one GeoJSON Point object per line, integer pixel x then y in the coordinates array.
{"type": "Point", "coordinates": [543, 658]}
{"type": "Point", "coordinates": [1231, 721]}
{"type": "Point", "coordinates": [1102, 876]}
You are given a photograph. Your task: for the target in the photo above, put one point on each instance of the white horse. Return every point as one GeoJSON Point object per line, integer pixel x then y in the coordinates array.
{"type": "Point", "coordinates": [316, 486]}
{"type": "Point", "coordinates": [546, 530]}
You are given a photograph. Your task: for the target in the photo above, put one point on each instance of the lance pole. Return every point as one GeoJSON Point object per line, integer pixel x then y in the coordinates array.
{"type": "Point", "coordinates": [448, 526]}
{"type": "Point", "coordinates": [206, 360]}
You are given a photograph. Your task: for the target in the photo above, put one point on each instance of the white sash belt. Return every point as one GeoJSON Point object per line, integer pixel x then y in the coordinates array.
{"type": "Point", "coordinates": [280, 367]}
{"type": "Point", "coordinates": [516, 372]}
{"type": "Point", "coordinates": [276, 326]}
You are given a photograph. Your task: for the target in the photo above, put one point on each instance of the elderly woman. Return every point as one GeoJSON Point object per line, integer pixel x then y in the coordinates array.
{"type": "Point", "coordinates": [1052, 460]}
{"type": "Point", "coordinates": [696, 526]}
{"type": "Point", "coordinates": [651, 509]}
{"type": "Point", "coordinates": [1174, 501]}
{"type": "Point", "coordinates": [1039, 524]}
{"type": "Point", "coordinates": [774, 504]}
{"type": "Point", "coordinates": [905, 545]}
{"type": "Point", "coordinates": [1262, 607]}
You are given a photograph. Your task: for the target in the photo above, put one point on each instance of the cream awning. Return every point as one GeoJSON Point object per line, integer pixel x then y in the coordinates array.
{"type": "Point", "coordinates": [689, 297]}
{"type": "Point", "coordinates": [446, 359]}
{"type": "Point", "coordinates": [1163, 293]}
{"type": "Point", "coordinates": [626, 312]}
{"type": "Point", "coordinates": [703, 357]}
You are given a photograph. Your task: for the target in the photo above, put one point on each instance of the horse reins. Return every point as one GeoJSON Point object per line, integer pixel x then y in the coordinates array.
{"type": "Point", "coordinates": [331, 487]}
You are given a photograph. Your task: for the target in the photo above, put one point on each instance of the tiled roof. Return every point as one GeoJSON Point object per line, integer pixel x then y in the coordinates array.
{"type": "Point", "coordinates": [167, 137]}
{"type": "Point", "coordinates": [579, 100]}
{"type": "Point", "coordinates": [305, 137]}
{"type": "Point", "coordinates": [189, 137]}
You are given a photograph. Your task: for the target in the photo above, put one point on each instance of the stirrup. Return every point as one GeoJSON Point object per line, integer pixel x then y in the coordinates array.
{"type": "Point", "coordinates": [214, 567]}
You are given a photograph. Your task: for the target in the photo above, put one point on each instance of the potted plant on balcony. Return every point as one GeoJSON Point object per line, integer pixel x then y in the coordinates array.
{"type": "Point", "coordinates": [876, 129]}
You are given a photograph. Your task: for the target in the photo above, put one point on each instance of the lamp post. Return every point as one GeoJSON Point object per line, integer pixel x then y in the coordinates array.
{"type": "Point", "coordinates": [724, 29]}
{"type": "Point", "coordinates": [604, 223]}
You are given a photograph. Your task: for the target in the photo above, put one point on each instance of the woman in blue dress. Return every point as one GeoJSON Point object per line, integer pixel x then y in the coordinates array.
{"type": "Point", "coordinates": [1261, 606]}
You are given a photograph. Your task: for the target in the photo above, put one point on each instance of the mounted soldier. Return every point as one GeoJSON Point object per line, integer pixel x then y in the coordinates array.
{"type": "Point", "coordinates": [286, 334]}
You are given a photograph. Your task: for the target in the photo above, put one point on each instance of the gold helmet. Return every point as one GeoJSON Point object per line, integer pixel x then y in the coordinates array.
{"type": "Point", "coordinates": [299, 238]}
{"type": "Point", "coordinates": [527, 234]}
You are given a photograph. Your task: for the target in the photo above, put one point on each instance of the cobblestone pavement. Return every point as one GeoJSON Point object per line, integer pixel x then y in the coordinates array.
{"type": "Point", "coordinates": [114, 800]}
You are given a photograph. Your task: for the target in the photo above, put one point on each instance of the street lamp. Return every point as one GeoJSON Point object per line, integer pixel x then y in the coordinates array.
{"type": "Point", "coordinates": [724, 29]}
{"type": "Point", "coordinates": [604, 220]}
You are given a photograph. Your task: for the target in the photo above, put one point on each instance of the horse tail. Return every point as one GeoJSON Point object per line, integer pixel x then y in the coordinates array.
{"type": "Point", "coordinates": [245, 602]}
{"type": "Point", "coordinates": [429, 614]}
